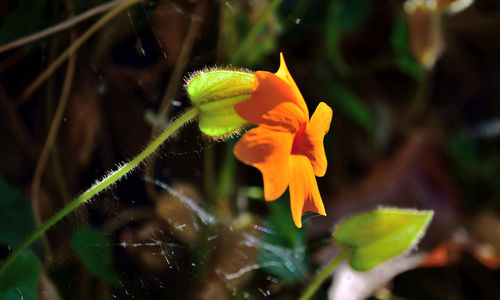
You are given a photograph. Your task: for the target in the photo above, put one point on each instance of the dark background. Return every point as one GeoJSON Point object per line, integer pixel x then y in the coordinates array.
{"type": "Point", "coordinates": [415, 95]}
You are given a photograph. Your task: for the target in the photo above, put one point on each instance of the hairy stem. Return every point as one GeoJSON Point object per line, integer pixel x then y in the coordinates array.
{"type": "Point", "coordinates": [324, 274]}
{"type": "Point", "coordinates": [175, 78]}
{"type": "Point", "coordinates": [101, 185]}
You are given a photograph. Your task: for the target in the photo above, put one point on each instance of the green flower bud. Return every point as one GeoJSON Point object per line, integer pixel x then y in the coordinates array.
{"type": "Point", "coordinates": [215, 93]}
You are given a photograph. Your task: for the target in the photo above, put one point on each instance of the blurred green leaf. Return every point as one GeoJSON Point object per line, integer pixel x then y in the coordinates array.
{"type": "Point", "coordinates": [20, 279]}
{"type": "Point", "coordinates": [403, 58]}
{"type": "Point", "coordinates": [351, 106]}
{"type": "Point", "coordinates": [464, 150]}
{"type": "Point", "coordinates": [252, 192]}
{"type": "Point", "coordinates": [248, 43]}
{"type": "Point", "coordinates": [94, 249]}
{"type": "Point", "coordinates": [332, 39]}
{"type": "Point", "coordinates": [280, 219]}
{"type": "Point", "coordinates": [282, 252]}
{"type": "Point", "coordinates": [16, 218]}
{"type": "Point", "coordinates": [225, 185]}
{"type": "Point", "coordinates": [342, 16]}
{"type": "Point", "coordinates": [476, 170]}
{"type": "Point", "coordinates": [352, 13]}
{"type": "Point", "coordinates": [379, 235]}
{"type": "Point", "coordinates": [472, 163]}
{"type": "Point", "coordinates": [267, 44]}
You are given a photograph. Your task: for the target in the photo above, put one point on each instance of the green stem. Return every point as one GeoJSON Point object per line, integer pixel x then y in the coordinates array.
{"type": "Point", "coordinates": [103, 184]}
{"type": "Point", "coordinates": [249, 41]}
{"type": "Point", "coordinates": [324, 274]}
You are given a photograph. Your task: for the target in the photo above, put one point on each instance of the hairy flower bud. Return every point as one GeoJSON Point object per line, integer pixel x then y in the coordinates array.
{"type": "Point", "coordinates": [215, 92]}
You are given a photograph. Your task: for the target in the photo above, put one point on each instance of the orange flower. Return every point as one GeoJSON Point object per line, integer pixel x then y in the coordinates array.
{"type": "Point", "coordinates": [286, 146]}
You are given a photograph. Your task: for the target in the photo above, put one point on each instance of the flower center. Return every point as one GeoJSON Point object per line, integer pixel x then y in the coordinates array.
{"type": "Point", "coordinates": [301, 143]}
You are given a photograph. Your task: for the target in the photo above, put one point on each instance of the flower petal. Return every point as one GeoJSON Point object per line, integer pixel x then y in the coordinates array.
{"type": "Point", "coordinates": [274, 103]}
{"type": "Point", "coordinates": [315, 132]}
{"type": "Point", "coordinates": [284, 74]}
{"type": "Point", "coordinates": [268, 151]}
{"type": "Point", "coordinates": [304, 192]}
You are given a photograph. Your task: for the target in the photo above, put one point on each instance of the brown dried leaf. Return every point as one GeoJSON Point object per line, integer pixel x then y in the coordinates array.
{"type": "Point", "coordinates": [170, 21]}
{"type": "Point", "coordinates": [181, 220]}
{"type": "Point", "coordinates": [234, 261]}
{"type": "Point", "coordinates": [426, 37]}
{"type": "Point", "coordinates": [110, 35]}
{"type": "Point", "coordinates": [147, 244]}
{"type": "Point", "coordinates": [450, 252]}
{"type": "Point", "coordinates": [47, 289]}
{"type": "Point", "coordinates": [486, 228]}
{"type": "Point", "coordinates": [82, 122]}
